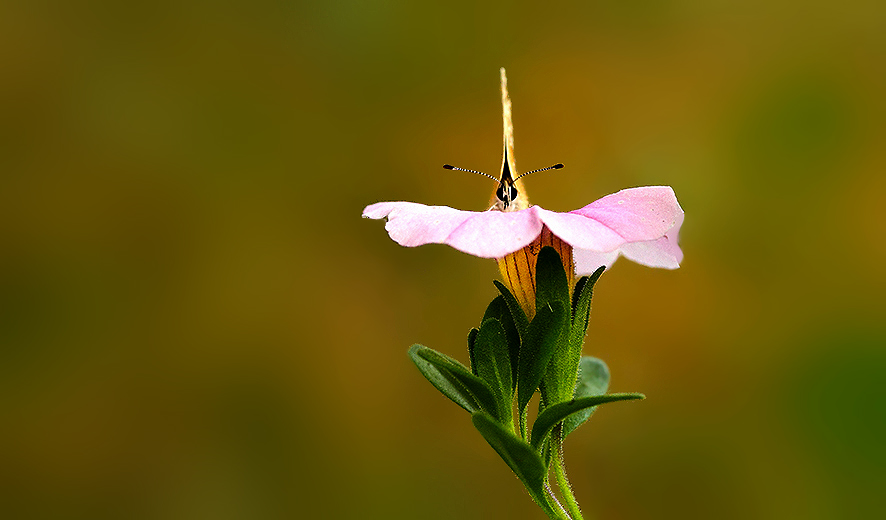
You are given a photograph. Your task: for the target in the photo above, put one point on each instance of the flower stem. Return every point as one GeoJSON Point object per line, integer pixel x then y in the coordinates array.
{"type": "Point", "coordinates": [522, 421]}
{"type": "Point", "coordinates": [560, 475]}
{"type": "Point", "coordinates": [544, 502]}
{"type": "Point", "coordinates": [560, 510]}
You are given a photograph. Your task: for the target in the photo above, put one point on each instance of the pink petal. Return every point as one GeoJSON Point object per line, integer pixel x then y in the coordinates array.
{"type": "Point", "coordinates": [410, 224]}
{"type": "Point", "coordinates": [488, 234]}
{"type": "Point", "coordinates": [662, 252]}
{"type": "Point", "coordinates": [494, 234]}
{"type": "Point", "coordinates": [587, 261]}
{"type": "Point", "coordinates": [580, 231]}
{"type": "Point", "coordinates": [637, 214]}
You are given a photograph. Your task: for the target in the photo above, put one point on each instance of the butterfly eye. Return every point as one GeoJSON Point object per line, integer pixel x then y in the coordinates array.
{"type": "Point", "coordinates": [512, 191]}
{"type": "Point", "coordinates": [500, 193]}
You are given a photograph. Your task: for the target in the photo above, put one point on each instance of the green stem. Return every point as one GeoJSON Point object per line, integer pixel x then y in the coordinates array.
{"type": "Point", "coordinates": [560, 474]}
{"type": "Point", "coordinates": [559, 509]}
{"type": "Point", "coordinates": [522, 420]}
{"type": "Point", "coordinates": [544, 502]}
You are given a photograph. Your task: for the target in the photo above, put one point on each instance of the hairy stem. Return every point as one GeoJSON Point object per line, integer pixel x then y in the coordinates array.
{"type": "Point", "coordinates": [560, 474]}
{"type": "Point", "coordinates": [553, 498]}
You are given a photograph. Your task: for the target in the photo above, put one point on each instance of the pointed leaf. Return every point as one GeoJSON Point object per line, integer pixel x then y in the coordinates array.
{"type": "Point", "coordinates": [537, 349]}
{"type": "Point", "coordinates": [520, 319]}
{"type": "Point", "coordinates": [547, 451]}
{"type": "Point", "coordinates": [494, 366]}
{"type": "Point", "coordinates": [559, 384]}
{"type": "Point", "coordinates": [581, 309]}
{"type": "Point", "coordinates": [519, 456]}
{"type": "Point", "coordinates": [551, 283]}
{"type": "Point", "coordinates": [453, 379]}
{"type": "Point", "coordinates": [576, 292]}
{"type": "Point", "coordinates": [560, 411]}
{"type": "Point", "coordinates": [472, 339]}
{"type": "Point", "coordinates": [498, 309]}
{"type": "Point", "coordinates": [593, 379]}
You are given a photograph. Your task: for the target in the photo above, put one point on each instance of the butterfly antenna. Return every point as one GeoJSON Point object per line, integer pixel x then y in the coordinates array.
{"type": "Point", "coordinates": [554, 167]}
{"type": "Point", "coordinates": [451, 167]}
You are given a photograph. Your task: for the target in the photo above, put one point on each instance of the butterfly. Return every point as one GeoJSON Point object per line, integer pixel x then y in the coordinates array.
{"type": "Point", "coordinates": [506, 191]}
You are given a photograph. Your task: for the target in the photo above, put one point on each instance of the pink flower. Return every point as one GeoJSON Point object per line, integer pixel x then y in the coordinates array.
{"type": "Point", "coordinates": [641, 224]}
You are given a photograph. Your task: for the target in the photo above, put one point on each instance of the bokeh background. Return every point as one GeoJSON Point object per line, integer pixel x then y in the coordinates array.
{"type": "Point", "coordinates": [196, 322]}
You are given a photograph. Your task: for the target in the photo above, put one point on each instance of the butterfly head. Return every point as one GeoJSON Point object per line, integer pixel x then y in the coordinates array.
{"type": "Point", "coordinates": [507, 192]}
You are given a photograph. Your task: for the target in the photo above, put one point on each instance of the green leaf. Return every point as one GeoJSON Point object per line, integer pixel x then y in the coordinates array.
{"type": "Point", "coordinates": [554, 414]}
{"type": "Point", "coordinates": [453, 379]}
{"type": "Point", "coordinates": [551, 283]}
{"type": "Point", "coordinates": [520, 319]}
{"type": "Point", "coordinates": [537, 349]}
{"type": "Point", "coordinates": [499, 310]}
{"type": "Point", "coordinates": [576, 292]}
{"type": "Point", "coordinates": [518, 455]}
{"type": "Point", "coordinates": [559, 384]}
{"type": "Point", "coordinates": [547, 451]}
{"type": "Point", "coordinates": [593, 379]}
{"type": "Point", "coordinates": [552, 286]}
{"type": "Point", "coordinates": [494, 366]}
{"type": "Point", "coordinates": [472, 339]}
{"type": "Point", "coordinates": [581, 310]}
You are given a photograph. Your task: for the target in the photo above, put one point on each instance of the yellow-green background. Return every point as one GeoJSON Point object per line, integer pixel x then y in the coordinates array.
{"type": "Point", "coordinates": [196, 322]}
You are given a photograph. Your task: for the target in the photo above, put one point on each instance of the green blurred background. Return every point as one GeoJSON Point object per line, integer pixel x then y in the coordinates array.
{"type": "Point", "coordinates": [196, 322]}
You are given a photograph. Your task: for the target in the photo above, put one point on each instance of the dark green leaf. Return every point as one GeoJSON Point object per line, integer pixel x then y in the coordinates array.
{"type": "Point", "coordinates": [552, 286]}
{"type": "Point", "coordinates": [551, 283]}
{"type": "Point", "coordinates": [453, 379]}
{"type": "Point", "coordinates": [576, 292]}
{"type": "Point", "coordinates": [547, 451]}
{"type": "Point", "coordinates": [472, 338]}
{"type": "Point", "coordinates": [519, 456]}
{"type": "Point", "coordinates": [581, 309]}
{"type": "Point", "coordinates": [499, 310]}
{"type": "Point", "coordinates": [537, 349]}
{"type": "Point", "coordinates": [560, 411]}
{"type": "Point", "coordinates": [520, 319]}
{"type": "Point", "coordinates": [494, 366]}
{"type": "Point", "coordinates": [593, 379]}
{"type": "Point", "coordinates": [559, 383]}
